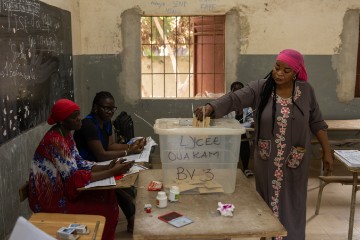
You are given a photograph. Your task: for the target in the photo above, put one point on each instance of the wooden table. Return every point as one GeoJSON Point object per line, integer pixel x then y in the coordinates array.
{"type": "Point", "coordinates": [333, 125]}
{"type": "Point", "coordinates": [51, 222]}
{"type": "Point", "coordinates": [252, 217]}
{"type": "Point", "coordinates": [341, 125]}
{"type": "Point", "coordinates": [125, 182]}
{"type": "Point", "coordinates": [355, 171]}
{"type": "Point", "coordinates": [344, 125]}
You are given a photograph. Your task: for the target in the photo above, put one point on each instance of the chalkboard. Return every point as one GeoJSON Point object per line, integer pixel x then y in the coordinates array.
{"type": "Point", "coordinates": [35, 63]}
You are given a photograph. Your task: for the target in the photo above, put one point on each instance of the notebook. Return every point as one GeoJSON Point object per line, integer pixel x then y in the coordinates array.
{"type": "Point", "coordinates": [350, 156]}
{"type": "Point", "coordinates": [175, 219]}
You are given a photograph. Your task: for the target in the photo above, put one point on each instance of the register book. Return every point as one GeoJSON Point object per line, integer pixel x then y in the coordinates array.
{"type": "Point", "coordinates": [350, 156]}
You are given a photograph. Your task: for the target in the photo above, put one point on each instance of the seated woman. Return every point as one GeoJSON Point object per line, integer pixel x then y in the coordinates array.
{"type": "Point", "coordinates": [95, 142]}
{"type": "Point", "coordinates": [57, 171]}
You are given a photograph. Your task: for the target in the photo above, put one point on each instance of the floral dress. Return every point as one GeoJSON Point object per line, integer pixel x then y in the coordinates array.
{"type": "Point", "coordinates": [56, 171]}
{"type": "Point", "coordinates": [282, 154]}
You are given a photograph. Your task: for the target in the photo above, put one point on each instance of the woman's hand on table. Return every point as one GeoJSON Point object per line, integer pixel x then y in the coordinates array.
{"type": "Point", "coordinates": [114, 161]}
{"type": "Point", "coordinates": [141, 142]}
{"type": "Point", "coordinates": [121, 167]}
{"type": "Point", "coordinates": [136, 148]}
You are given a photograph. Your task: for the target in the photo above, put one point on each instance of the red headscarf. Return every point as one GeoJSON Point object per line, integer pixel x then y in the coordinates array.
{"type": "Point", "coordinates": [295, 60]}
{"type": "Point", "coordinates": [61, 110]}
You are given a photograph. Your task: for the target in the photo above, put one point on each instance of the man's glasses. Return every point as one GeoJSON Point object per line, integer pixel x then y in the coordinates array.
{"type": "Point", "coordinates": [108, 109]}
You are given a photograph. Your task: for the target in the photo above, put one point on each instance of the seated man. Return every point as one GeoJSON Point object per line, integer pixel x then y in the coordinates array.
{"type": "Point", "coordinates": [95, 143]}
{"type": "Point", "coordinates": [245, 117]}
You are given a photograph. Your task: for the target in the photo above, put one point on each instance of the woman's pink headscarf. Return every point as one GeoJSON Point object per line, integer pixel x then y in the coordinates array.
{"type": "Point", "coordinates": [295, 60]}
{"type": "Point", "coordinates": [61, 110]}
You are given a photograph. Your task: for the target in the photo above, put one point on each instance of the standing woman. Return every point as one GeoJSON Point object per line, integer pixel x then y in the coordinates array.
{"type": "Point", "coordinates": [286, 117]}
{"type": "Point", "coordinates": [57, 171]}
{"type": "Point", "coordinates": [95, 142]}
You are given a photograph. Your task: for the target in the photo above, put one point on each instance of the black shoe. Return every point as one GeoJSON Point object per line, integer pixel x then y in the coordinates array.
{"type": "Point", "coordinates": [248, 173]}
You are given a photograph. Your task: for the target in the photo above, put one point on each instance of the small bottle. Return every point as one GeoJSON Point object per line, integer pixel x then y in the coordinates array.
{"type": "Point", "coordinates": [147, 208]}
{"type": "Point", "coordinates": [174, 194]}
{"type": "Point", "coordinates": [161, 199]}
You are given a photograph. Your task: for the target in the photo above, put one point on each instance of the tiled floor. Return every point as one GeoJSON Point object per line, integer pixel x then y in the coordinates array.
{"type": "Point", "coordinates": [333, 220]}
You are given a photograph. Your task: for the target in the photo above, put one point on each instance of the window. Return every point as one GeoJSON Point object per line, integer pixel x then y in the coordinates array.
{"type": "Point", "coordinates": [182, 56]}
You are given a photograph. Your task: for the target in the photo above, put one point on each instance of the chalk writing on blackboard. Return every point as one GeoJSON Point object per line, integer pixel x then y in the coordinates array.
{"type": "Point", "coordinates": [35, 63]}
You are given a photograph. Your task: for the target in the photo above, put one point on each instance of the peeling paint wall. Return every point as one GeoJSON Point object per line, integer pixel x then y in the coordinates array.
{"type": "Point", "coordinates": [345, 61]}
{"type": "Point", "coordinates": [312, 27]}
{"type": "Point", "coordinates": [256, 29]}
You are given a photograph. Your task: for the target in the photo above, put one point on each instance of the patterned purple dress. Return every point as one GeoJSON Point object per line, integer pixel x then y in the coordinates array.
{"type": "Point", "coordinates": [281, 157]}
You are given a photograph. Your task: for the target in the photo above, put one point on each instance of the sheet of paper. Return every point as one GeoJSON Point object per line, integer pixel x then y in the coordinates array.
{"type": "Point", "coordinates": [213, 184]}
{"type": "Point", "coordinates": [186, 187]}
{"type": "Point", "coordinates": [135, 169]}
{"type": "Point", "coordinates": [24, 229]}
{"type": "Point", "coordinates": [104, 182]}
{"type": "Point", "coordinates": [351, 156]}
{"type": "Point", "coordinates": [210, 190]}
{"type": "Point", "coordinates": [141, 157]}
{"type": "Point", "coordinates": [145, 154]}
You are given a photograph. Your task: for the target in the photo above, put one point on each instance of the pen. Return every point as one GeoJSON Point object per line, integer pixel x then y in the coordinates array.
{"type": "Point", "coordinates": [203, 116]}
{"type": "Point", "coordinates": [248, 114]}
{"type": "Point", "coordinates": [95, 230]}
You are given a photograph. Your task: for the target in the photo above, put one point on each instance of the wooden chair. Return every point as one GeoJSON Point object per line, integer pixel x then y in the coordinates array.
{"type": "Point", "coordinates": [24, 192]}
{"type": "Point", "coordinates": [325, 180]}
{"type": "Point", "coordinates": [344, 180]}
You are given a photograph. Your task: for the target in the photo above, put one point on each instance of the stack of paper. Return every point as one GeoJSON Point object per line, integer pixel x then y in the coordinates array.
{"type": "Point", "coordinates": [145, 154]}
{"type": "Point", "coordinates": [350, 156]}
{"type": "Point", "coordinates": [141, 157]}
